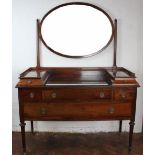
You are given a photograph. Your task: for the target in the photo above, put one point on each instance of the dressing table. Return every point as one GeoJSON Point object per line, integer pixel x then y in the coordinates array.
{"type": "Point", "coordinates": [77, 93]}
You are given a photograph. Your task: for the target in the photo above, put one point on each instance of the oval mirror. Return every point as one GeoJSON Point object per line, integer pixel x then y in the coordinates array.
{"type": "Point", "coordinates": [76, 30]}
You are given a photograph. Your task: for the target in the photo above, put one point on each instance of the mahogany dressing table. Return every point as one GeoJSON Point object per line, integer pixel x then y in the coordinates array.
{"type": "Point", "coordinates": [76, 94]}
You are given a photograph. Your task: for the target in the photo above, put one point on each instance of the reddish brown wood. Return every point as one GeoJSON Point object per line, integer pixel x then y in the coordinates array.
{"type": "Point", "coordinates": [22, 122]}
{"type": "Point", "coordinates": [115, 44]}
{"type": "Point", "coordinates": [124, 94]}
{"type": "Point", "coordinates": [115, 101]}
{"type": "Point", "coordinates": [80, 94]}
{"type": "Point", "coordinates": [31, 95]}
{"type": "Point", "coordinates": [132, 120]}
{"type": "Point", "coordinates": [32, 128]}
{"type": "Point", "coordinates": [120, 126]}
{"type": "Point", "coordinates": [38, 43]}
{"type": "Point", "coordinates": [76, 111]}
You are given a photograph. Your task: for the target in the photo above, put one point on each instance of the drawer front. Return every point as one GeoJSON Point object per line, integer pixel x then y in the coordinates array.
{"type": "Point", "coordinates": [74, 111]}
{"type": "Point", "coordinates": [124, 94]}
{"type": "Point", "coordinates": [30, 95]}
{"type": "Point", "coordinates": [77, 94]}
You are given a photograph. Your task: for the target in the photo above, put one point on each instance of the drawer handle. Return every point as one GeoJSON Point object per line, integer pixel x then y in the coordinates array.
{"type": "Point", "coordinates": [102, 95]}
{"type": "Point", "coordinates": [111, 110]}
{"type": "Point", "coordinates": [31, 95]}
{"type": "Point", "coordinates": [29, 81]}
{"type": "Point", "coordinates": [54, 95]}
{"type": "Point", "coordinates": [123, 96]}
{"type": "Point", "coordinates": [43, 111]}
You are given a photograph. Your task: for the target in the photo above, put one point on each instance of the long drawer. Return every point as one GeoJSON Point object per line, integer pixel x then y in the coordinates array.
{"type": "Point", "coordinates": [75, 111]}
{"type": "Point", "coordinates": [119, 94]}
{"type": "Point", "coordinates": [77, 94]}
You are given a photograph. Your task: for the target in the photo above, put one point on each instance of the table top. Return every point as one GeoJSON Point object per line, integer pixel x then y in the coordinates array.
{"type": "Point", "coordinates": [84, 76]}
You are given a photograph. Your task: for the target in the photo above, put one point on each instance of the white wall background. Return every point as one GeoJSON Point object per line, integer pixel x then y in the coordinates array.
{"type": "Point", "coordinates": [129, 15]}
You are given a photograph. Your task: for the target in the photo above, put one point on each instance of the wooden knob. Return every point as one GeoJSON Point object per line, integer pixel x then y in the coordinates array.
{"type": "Point", "coordinates": [29, 81]}
{"type": "Point", "coordinates": [54, 95]}
{"type": "Point", "coordinates": [102, 95]}
{"type": "Point", "coordinates": [111, 110]}
{"type": "Point", "coordinates": [123, 95]}
{"type": "Point", "coordinates": [31, 95]}
{"type": "Point", "coordinates": [43, 111]}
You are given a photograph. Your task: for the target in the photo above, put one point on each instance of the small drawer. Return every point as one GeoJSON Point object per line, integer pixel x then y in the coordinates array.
{"type": "Point", "coordinates": [30, 95]}
{"type": "Point", "coordinates": [124, 94]}
{"type": "Point", "coordinates": [75, 111]}
{"type": "Point", "coordinates": [77, 94]}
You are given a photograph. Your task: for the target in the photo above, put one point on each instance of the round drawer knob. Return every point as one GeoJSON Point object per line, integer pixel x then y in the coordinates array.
{"type": "Point", "coordinates": [32, 95]}
{"type": "Point", "coordinates": [102, 95]}
{"type": "Point", "coordinates": [111, 110]}
{"type": "Point", "coordinates": [29, 81]}
{"type": "Point", "coordinates": [43, 111]}
{"type": "Point", "coordinates": [54, 95]}
{"type": "Point", "coordinates": [123, 96]}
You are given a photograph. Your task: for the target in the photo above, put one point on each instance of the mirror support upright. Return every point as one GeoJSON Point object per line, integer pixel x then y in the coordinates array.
{"type": "Point", "coordinates": [38, 43]}
{"type": "Point", "coordinates": [115, 43]}
{"type": "Point", "coordinates": [115, 48]}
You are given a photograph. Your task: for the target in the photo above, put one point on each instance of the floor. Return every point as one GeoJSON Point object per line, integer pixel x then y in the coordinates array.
{"type": "Point", "coordinates": [77, 144]}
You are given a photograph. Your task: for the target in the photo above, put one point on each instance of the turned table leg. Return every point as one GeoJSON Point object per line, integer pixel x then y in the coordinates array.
{"type": "Point", "coordinates": [22, 124]}
{"type": "Point", "coordinates": [132, 120]}
{"type": "Point", "coordinates": [32, 129]}
{"type": "Point", "coordinates": [120, 126]}
{"type": "Point", "coordinates": [132, 123]}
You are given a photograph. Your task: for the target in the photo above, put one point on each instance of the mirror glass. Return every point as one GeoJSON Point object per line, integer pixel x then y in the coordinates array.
{"type": "Point", "coordinates": [76, 30]}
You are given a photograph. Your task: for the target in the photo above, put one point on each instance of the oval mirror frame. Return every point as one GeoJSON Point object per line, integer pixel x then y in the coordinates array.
{"type": "Point", "coordinates": [79, 56]}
